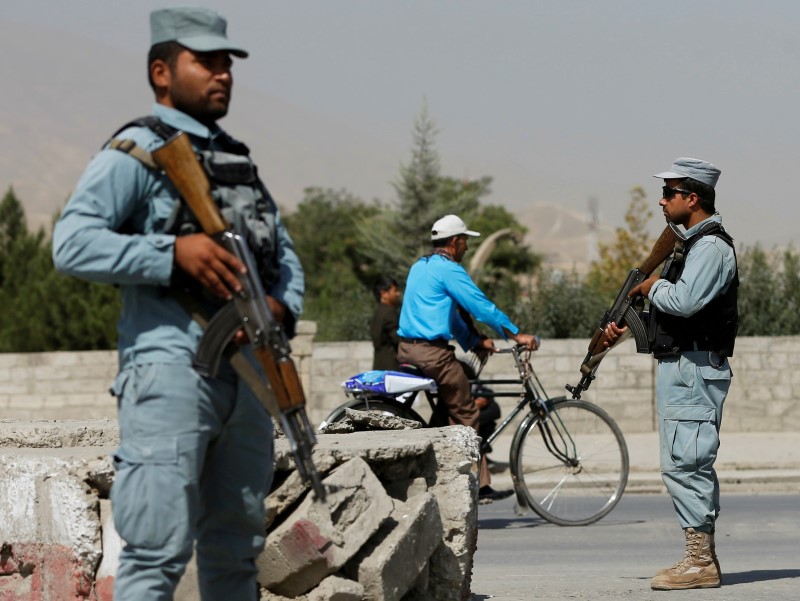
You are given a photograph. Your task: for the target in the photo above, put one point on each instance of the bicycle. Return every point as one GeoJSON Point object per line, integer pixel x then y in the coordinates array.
{"type": "Point", "coordinates": [568, 458]}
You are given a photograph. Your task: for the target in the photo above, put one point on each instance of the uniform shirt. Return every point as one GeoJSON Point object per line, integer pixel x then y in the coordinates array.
{"type": "Point", "coordinates": [709, 270]}
{"type": "Point", "coordinates": [434, 285]}
{"type": "Point", "coordinates": [112, 231]}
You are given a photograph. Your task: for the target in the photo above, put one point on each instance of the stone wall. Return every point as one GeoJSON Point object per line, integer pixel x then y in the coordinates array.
{"type": "Point", "coordinates": [765, 395]}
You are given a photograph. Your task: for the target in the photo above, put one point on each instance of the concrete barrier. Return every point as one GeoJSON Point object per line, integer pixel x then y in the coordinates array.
{"type": "Point", "coordinates": [400, 518]}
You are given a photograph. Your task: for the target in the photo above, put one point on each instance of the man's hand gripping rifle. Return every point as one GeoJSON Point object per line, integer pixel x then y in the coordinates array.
{"type": "Point", "coordinates": [625, 312]}
{"type": "Point", "coordinates": [248, 310]}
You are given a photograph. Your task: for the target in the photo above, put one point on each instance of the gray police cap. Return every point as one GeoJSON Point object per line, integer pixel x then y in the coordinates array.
{"type": "Point", "coordinates": [695, 168]}
{"type": "Point", "coordinates": [193, 27]}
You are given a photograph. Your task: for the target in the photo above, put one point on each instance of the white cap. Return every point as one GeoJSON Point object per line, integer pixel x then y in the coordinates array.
{"type": "Point", "coordinates": [450, 225]}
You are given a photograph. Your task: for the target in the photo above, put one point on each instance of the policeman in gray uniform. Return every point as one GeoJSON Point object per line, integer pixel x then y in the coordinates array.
{"type": "Point", "coordinates": [195, 457]}
{"type": "Point", "coordinates": [693, 322]}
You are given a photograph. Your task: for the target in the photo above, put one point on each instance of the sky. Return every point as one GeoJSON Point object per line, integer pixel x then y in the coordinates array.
{"type": "Point", "coordinates": [557, 101]}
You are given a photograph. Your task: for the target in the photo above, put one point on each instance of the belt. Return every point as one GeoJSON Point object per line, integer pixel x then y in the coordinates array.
{"type": "Point", "coordinates": [435, 342]}
{"type": "Point", "coordinates": [702, 345]}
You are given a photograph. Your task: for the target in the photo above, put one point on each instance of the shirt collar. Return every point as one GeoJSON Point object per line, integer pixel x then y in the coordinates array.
{"type": "Point", "coordinates": [696, 227]}
{"type": "Point", "coordinates": [184, 122]}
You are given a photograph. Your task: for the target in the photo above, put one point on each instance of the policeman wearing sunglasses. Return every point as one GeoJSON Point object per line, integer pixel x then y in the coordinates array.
{"type": "Point", "coordinates": [693, 322]}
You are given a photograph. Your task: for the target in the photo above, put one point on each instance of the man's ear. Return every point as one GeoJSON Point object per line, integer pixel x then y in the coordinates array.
{"type": "Point", "coordinates": [160, 74]}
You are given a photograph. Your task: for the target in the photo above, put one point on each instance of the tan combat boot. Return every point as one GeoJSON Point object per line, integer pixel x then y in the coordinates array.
{"type": "Point", "coordinates": [663, 571]}
{"type": "Point", "coordinates": [698, 568]}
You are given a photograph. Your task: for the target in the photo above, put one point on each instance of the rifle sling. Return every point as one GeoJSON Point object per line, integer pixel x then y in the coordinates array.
{"type": "Point", "coordinates": [137, 152]}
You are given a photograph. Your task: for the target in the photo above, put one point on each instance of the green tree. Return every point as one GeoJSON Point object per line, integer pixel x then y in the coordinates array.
{"type": "Point", "coordinates": [769, 293]}
{"type": "Point", "coordinates": [565, 306]}
{"type": "Point", "coordinates": [631, 246]}
{"type": "Point", "coordinates": [391, 239]}
{"type": "Point", "coordinates": [399, 234]}
{"type": "Point", "coordinates": [790, 287]}
{"type": "Point", "coordinates": [13, 227]}
{"type": "Point", "coordinates": [42, 309]}
{"type": "Point", "coordinates": [345, 244]}
{"type": "Point", "coordinates": [508, 275]}
{"type": "Point", "coordinates": [324, 230]}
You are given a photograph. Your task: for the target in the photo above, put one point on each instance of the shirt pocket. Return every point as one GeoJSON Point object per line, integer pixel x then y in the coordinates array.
{"type": "Point", "coordinates": [161, 209]}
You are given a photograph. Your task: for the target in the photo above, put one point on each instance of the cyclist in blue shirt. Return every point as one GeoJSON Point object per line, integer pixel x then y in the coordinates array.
{"type": "Point", "coordinates": [438, 300]}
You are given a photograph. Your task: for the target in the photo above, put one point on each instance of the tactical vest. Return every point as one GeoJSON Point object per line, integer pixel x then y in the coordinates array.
{"type": "Point", "coordinates": [714, 327]}
{"type": "Point", "coordinates": [243, 199]}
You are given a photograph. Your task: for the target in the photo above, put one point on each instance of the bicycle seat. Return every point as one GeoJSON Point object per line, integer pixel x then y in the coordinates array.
{"type": "Point", "coordinates": [388, 382]}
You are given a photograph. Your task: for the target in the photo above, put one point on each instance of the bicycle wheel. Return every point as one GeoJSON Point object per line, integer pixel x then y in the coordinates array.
{"type": "Point", "coordinates": [378, 404]}
{"type": "Point", "coordinates": [573, 464]}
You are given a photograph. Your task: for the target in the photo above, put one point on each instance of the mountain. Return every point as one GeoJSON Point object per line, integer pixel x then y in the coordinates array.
{"type": "Point", "coordinates": [567, 238]}
{"type": "Point", "coordinates": [64, 96]}
{"type": "Point", "coordinates": [61, 102]}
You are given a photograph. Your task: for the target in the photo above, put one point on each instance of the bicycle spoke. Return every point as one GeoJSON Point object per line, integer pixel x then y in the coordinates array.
{"type": "Point", "coordinates": [550, 498]}
{"type": "Point", "coordinates": [574, 468]}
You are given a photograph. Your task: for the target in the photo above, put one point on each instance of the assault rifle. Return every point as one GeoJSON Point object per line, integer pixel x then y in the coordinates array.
{"type": "Point", "coordinates": [626, 311]}
{"type": "Point", "coordinates": [248, 310]}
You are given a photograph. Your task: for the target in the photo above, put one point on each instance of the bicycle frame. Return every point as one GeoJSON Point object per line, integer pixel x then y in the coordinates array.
{"type": "Point", "coordinates": [549, 488]}
{"type": "Point", "coordinates": [540, 409]}
{"type": "Point", "coordinates": [557, 438]}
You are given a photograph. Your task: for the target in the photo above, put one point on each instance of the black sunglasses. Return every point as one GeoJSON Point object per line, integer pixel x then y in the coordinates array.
{"type": "Point", "coordinates": [668, 193]}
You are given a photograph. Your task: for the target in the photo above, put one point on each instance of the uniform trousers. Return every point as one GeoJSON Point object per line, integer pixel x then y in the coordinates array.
{"type": "Point", "coordinates": [690, 392]}
{"type": "Point", "coordinates": [194, 466]}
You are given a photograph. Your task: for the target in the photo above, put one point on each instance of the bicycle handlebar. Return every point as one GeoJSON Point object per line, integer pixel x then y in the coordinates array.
{"type": "Point", "coordinates": [517, 348]}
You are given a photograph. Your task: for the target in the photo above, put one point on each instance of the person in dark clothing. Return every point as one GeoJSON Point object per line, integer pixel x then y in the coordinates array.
{"type": "Point", "coordinates": [383, 327]}
{"type": "Point", "coordinates": [488, 416]}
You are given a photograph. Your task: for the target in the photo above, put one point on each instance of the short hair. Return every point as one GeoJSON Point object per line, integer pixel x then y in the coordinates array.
{"type": "Point", "coordinates": [442, 242]}
{"type": "Point", "coordinates": [167, 52]}
{"type": "Point", "coordinates": [704, 192]}
{"type": "Point", "coordinates": [383, 284]}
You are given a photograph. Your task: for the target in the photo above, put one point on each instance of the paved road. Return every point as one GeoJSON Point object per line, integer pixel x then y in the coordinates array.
{"type": "Point", "coordinates": [758, 543]}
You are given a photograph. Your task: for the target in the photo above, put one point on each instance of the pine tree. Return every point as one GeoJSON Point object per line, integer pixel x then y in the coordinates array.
{"type": "Point", "coordinates": [790, 289]}
{"type": "Point", "coordinates": [13, 226]}
{"type": "Point", "coordinates": [393, 239]}
{"type": "Point", "coordinates": [42, 309]}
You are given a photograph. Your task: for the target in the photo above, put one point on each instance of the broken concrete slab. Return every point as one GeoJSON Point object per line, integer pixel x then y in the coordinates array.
{"type": "Point", "coordinates": [292, 488]}
{"type": "Point", "coordinates": [336, 588]}
{"type": "Point", "coordinates": [389, 565]}
{"type": "Point", "coordinates": [319, 537]}
{"type": "Point", "coordinates": [359, 421]}
{"type": "Point", "coordinates": [409, 463]}
{"type": "Point", "coordinates": [50, 531]}
{"type": "Point", "coordinates": [56, 434]}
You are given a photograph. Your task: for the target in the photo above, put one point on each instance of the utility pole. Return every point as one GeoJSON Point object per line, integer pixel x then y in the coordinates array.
{"type": "Point", "coordinates": [592, 242]}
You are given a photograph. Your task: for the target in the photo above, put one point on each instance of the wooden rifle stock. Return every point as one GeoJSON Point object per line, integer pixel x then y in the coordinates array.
{"type": "Point", "coordinates": [620, 312]}
{"type": "Point", "coordinates": [661, 250]}
{"type": "Point", "coordinates": [178, 160]}
{"type": "Point", "coordinates": [284, 379]}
